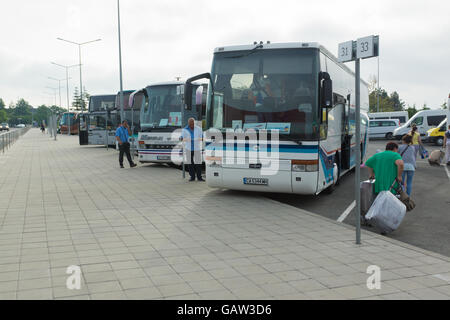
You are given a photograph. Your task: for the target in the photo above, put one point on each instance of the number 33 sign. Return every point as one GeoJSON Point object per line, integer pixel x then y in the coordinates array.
{"type": "Point", "coordinates": [365, 48]}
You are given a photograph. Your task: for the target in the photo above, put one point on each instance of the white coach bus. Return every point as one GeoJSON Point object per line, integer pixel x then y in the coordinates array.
{"type": "Point", "coordinates": [162, 113]}
{"type": "Point", "coordinates": [299, 90]}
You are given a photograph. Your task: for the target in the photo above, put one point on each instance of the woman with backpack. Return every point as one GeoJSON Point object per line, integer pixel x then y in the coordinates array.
{"type": "Point", "coordinates": [447, 146]}
{"type": "Point", "coordinates": [408, 154]}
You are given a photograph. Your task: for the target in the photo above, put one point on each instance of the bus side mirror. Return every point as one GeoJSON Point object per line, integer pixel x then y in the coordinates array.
{"type": "Point", "coordinates": [188, 95]}
{"type": "Point", "coordinates": [326, 91]}
{"type": "Point", "coordinates": [188, 89]}
{"type": "Point", "coordinates": [131, 98]}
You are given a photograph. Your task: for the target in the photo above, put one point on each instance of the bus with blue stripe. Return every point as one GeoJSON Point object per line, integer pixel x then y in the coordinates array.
{"type": "Point", "coordinates": [280, 118]}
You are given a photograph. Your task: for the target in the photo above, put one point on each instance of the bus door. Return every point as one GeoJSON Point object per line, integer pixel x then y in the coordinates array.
{"type": "Point", "coordinates": [83, 129]}
{"type": "Point", "coordinates": [346, 136]}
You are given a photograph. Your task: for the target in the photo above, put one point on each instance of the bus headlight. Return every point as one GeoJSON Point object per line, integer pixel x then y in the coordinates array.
{"type": "Point", "coordinates": [305, 165]}
{"type": "Point", "coordinates": [312, 168]}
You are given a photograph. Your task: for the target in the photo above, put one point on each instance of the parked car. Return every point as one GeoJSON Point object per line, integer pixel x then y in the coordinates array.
{"type": "Point", "coordinates": [4, 127]}
{"type": "Point", "coordinates": [383, 128]}
{"type": "Point", "coordinates": [21, 126]}
{"type": "Point", "coordinates": [436, 135]}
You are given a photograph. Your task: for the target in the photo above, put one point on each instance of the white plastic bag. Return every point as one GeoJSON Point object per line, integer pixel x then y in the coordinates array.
{"type": "Point", "coordinates": [386, 212]}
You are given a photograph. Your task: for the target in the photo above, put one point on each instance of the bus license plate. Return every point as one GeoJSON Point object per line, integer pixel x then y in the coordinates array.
{"type": "Point", "coordinates": [256, 181]}
{"type": "Point", "coordinates": [163, 158]}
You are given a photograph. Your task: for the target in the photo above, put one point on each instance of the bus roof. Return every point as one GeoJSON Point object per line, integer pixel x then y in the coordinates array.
{"type": "Point", "coordinates": [289, 45]}
{"type": "Point", "coordinates": [167, 83]}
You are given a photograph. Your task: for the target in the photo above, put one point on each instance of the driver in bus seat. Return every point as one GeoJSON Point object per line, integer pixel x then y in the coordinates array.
{"type": "Point", "coordinates": [260, 88]}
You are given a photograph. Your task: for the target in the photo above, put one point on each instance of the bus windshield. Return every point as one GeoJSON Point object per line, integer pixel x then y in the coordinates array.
{"type": "Point", "coordinates": [66, 118]}
{"type": "Point", "coordinates": [102, 103]}
{"type": "Point", "coordinates": [266, 89]}
{"type": "Point", "coordinates": [162, 108]}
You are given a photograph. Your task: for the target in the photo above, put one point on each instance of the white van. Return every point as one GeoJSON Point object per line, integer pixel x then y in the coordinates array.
{"type": "Point", "coordinates": [425, 120]}
{"type": "Point", "coordinates": [383, 128]}
{"type": "Point", "coordinates": [402, 116]}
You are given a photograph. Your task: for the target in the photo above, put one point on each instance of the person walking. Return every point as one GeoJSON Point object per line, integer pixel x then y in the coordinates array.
{"type": "Point", "coordinates": [193, 138]}
{"type": "Point", "coordinates": [408, 154]}
{"type": "Point", "coordinates": [385, 167]}
{"type": "Point", "coordinates": [122, 135]}
{"type": "Point", "coordinates": [447, 146]}
{"type": "Point", "coordinates": [42, 127]}
{"type": "Point", "coordinates": [416, 141]}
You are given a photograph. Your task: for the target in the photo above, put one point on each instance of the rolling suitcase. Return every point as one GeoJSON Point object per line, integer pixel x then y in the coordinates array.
{"type": "Point", "coordinates": [367, 195]}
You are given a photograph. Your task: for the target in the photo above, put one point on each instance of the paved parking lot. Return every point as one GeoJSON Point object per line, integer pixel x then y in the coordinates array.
{"type": "Point", "coordinates": [427, 226]}
{"type": "Point", "coordinates": [144, 233]}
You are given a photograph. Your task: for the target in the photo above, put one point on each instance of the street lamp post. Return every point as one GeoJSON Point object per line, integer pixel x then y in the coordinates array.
{"type": "Point", "coordinates": [67, 83]}
{"type": "Point", "coordinates": [60, 104]}
{"type": "Point", "coordinates": [59, 86]}
{"type": "Point", "coordinates": [120, 64]}
{"type": "Point", "coordinates": [79, 44]}
{"type": "Point", "coordinates": [54, 93]}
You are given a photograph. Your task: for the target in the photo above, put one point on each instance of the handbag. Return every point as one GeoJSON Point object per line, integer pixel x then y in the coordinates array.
{"type": "Point", "coordinates": [403, 196]}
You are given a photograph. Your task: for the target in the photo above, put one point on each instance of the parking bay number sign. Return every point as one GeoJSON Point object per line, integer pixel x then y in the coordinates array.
{"type": "Point", "coordinates": [363, 48]}
{"type": "Point", "coordinates": [346, 51]}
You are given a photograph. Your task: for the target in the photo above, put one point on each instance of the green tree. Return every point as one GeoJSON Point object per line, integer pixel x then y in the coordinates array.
{"type": "Point", "coordinates": [395, 102]}
{"type": "Point", "coordinates": [2, 104]}
{"type": "Point", "coordinates": [3, 115]}
{"type": "Point", "coordinates": [444, 106]}
{"type": "Point", "coordinates": [76, 101]}
{"type": "Point", "coordinates": [412, 111]}
{"type": "Point", "coordinates": [385, 102]}
{"type": "Point", "coordinates": [20, 112]}
{"type": "Point", "coordinates": [425, 107]}
{"type": "Point", "coordinates": [86, 97]}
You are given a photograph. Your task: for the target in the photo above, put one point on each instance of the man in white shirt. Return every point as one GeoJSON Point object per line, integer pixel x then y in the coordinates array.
{"type": "Point", "coordinates": [193, 142]}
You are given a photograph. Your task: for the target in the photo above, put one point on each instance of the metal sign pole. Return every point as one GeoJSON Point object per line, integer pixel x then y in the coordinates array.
{"type": "Point", "coordinates": [106, 129]}
{"type": "Point", "coordinates": [183, 164]}
{"type": "Point", "coordinates": [132, 133]}
{"type": "Point", "coordinates": [54, 125]}
{"type": "Point", "coordinates": [363, 48]}
{"type": "Point", "coordinates": [358, 151]}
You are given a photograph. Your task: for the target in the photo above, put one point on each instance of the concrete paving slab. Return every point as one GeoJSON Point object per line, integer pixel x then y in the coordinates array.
{"type": "Point", "coordinates": [165, 238]}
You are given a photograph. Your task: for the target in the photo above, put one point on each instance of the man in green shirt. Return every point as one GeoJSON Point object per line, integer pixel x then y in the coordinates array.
{"type": "Point", "coordinates": [385, 167]}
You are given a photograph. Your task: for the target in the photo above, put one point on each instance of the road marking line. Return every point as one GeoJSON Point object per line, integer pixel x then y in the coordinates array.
{"type": "Point", "coordinates": [442, 277]}
{"type": "Point", "coordinates": [347, 212]}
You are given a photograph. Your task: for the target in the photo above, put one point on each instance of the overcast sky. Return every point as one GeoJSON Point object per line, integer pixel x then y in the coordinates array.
{"type": "Point", "coordinates": [163, 39]}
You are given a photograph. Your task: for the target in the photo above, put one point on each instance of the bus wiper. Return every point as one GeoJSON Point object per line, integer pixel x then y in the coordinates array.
{"type": "Point", "coordinates": [259, 46]}
{"type": "Point", "coordinates": [291, 139]}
